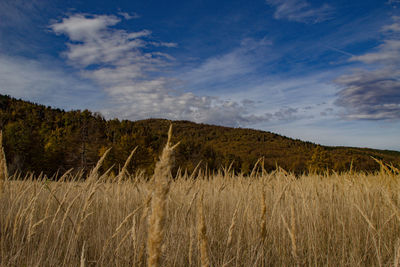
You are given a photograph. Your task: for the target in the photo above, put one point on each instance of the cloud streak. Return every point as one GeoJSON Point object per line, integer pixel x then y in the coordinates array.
{"type": "Point", "coordinates": [220, 70]}
{"type": "Point", "coordinates": [300, 11]}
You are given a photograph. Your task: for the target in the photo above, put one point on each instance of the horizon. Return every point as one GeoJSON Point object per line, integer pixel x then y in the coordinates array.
{"type": "Point", "coordinates": [326, 72]}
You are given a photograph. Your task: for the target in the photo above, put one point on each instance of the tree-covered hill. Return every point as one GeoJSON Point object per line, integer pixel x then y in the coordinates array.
{"type": "Point", "coordinates": [43, 139]}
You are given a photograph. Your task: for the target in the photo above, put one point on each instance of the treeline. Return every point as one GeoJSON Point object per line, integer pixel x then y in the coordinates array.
{"type": "Point", "coordinates": [43, 139]}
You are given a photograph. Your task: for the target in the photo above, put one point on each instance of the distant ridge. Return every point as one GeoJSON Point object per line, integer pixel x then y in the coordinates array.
{"type": "Point", "coordinates": [44, 139]}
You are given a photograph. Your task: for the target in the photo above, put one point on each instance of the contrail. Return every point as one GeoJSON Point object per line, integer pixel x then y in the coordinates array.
{"type": "Point", "coordinates": [340, 51]}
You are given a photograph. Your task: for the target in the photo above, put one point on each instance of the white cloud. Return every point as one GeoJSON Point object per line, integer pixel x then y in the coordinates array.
{"type": "Point", "coordinates": [373, 94]}
{"type": "Point", "coordinates": [81, 27]}
{"type": "Point", "coordinates": [387, 53]}
{"type": "Point", "coordinates": [393, 27]}
{"type": "Point", "coordinates": [300, 11]}
{"type": "Point", "coordinates": [94, 42]}
{"type": "Point", "coordinates": [130, 70]}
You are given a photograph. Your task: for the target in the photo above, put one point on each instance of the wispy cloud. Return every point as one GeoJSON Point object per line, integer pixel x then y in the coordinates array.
{"type": "Point", "coordinates": [222, 69]}
{"type": "Point", "coordinates": [17, 13]}
{"type": "Point", "coordinates": [128, 67]}
{"type": "Point", "coordinates": [129, 16]}
{"type": "Point", "coordinates": [18, 22]}
{"type": "Point", "coordinates": [300, 11]}
{"type": "Point", "coordinates": [285, 114]}
{"type": "Point", "coordinates": [374, 94]}
{"type": "Point", "coordinates": [394, 3]}
{"type": "Point", "coordinates": [45, 83]}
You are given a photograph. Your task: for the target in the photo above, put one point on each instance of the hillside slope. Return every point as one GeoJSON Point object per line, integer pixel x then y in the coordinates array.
{"type": "Point", "coordinates": [39, 138]}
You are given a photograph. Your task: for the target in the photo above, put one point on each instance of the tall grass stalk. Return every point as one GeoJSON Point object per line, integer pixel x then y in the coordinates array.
{"type": "Point", "coordinates": [161, 179]}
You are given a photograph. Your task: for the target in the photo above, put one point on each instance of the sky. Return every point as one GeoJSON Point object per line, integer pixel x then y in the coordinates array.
{"type": "Point", "coordinates": [324, 71]}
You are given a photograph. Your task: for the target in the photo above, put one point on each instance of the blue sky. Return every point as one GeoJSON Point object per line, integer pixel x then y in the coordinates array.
{"type": "Point", "coordinates": [322, 71]}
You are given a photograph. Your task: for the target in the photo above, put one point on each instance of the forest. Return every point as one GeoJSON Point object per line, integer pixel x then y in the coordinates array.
{"type": "Point", "coordinates": [48, 140]}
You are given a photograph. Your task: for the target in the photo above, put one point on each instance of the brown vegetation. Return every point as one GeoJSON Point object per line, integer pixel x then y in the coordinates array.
{"type": "Point", "coordinates": [42, 139]}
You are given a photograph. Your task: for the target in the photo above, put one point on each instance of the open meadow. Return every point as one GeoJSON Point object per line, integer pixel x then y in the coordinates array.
{"type": "Point", "coordinates": [223, 219]}
{"type": "Point", "coordinates": [286, 143]}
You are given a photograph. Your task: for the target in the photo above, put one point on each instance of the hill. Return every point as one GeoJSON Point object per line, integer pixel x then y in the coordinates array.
{"type": "Point", "coordinates": [43, 139]}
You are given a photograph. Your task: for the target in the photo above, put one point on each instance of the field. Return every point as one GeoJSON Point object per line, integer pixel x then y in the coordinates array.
{"type": "Point", "coordinates": [223, 219]}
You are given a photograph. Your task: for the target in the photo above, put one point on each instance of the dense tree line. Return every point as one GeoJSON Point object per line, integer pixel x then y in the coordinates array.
{"type": "Point", "coordinates": [43, 139]}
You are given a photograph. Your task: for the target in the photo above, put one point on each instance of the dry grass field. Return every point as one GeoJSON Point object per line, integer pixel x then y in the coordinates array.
{"type": "Point", "coordinates": [267, 219]}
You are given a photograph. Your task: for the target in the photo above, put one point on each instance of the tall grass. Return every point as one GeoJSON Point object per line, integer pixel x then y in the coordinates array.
{"type": "Point", "coordinates": [275, 219]}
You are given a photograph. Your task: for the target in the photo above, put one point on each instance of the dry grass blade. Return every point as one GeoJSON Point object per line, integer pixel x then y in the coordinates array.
{"type": "Point", "coordinates": [3, 164]}
{"type": "Point", "coordinates": [396, 262]}
{"type": "Point", "coordinates": [292, 236]}
{"type": "Point", "coordinates": [94, 174]}
{"type": "Point", "coordinates": [384, 168]}
{"type": "Point", "coordinates": [83, 259]}
{"type": "Point", "coordinates": [61, 207]}
{"type": "Point", "coordinates": [395, 209]}
{"type": "Point", "coordinates": [127, 219]}
{"type": "Point", "coordinates": [293, 231]}
{"type": "Point", "coordinates": [191, 203]}
{"type": "Point", "coordinates": [195, 171]}
{"type": "Point", "coordinates": [263, 225]}
{"type": "Point", "coordinates": [191, 240]}
{"type": "Point", "coordinates": [274, 207]}
{"type": "Point", "coordinates": [374, 234]}
{"type": "Point", "coordinates": [255, 167]}
{"type": "Point", "coordinates": [202, 235]}
{"type": "Point", "coordinates": [124, 169]}
{"type": "Point", "coordinates": [232, 226]}
{"type": "Point", "coordinates": [365, 218]}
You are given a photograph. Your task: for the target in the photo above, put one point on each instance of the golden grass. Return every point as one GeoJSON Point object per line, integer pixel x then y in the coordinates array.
{"type": "Point", "coordinates": [161, 184]}
{"type": "Point", "coordinates": [275, 219]}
